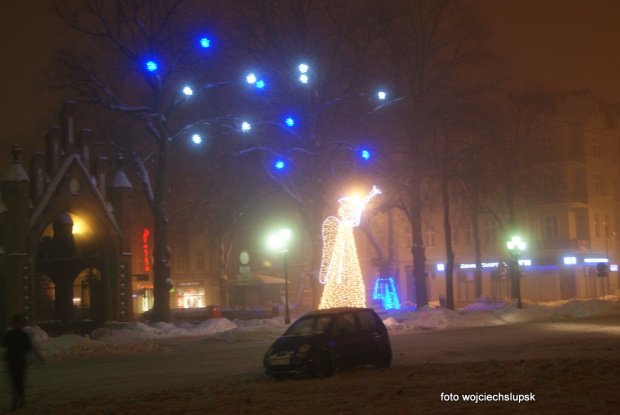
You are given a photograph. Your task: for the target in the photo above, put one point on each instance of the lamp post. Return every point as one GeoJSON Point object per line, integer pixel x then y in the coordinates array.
{"type": "Point", "coordinates": [279, 242]}
{"type": "Point", "coordinates": [516, 247]}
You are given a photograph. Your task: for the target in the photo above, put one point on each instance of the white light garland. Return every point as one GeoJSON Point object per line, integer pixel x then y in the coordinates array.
{"type": "Point", "coordinates": [340, 266]}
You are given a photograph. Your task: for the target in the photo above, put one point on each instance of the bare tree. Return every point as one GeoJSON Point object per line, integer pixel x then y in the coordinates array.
{"type": "Point", "coordinates": [310, 58]}
{"type": "Point", "coordinates": [134, 57]}
{"type": "Point", "coordinates": [432, 52]}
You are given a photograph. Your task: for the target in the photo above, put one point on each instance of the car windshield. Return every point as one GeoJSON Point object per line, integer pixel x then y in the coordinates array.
{"type": "Point", "coordinates": [309, 325]}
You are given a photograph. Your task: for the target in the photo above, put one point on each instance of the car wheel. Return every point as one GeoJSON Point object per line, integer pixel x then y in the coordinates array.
{"type": "Point", "coordinates": [326, 366]}
{"type": "Point", "coordinates": [384, 358]}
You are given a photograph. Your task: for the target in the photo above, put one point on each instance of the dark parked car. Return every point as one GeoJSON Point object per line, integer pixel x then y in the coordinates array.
{"type": "Point", "coordinates": [324, 340]}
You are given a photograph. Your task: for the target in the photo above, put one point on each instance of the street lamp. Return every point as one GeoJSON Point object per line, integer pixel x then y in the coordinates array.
{"type": "Point", "coordinates": [279, 242]}
{"type": "Point", "coordinates": [516, 247]}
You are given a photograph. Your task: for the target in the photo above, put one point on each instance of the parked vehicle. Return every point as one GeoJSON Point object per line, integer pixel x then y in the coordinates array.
{"type": "Point", "coordinates": [324, 340]}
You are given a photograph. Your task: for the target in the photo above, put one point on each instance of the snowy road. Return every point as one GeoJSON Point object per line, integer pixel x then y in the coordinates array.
{"type": "Point", "coordinates": [193, 363]}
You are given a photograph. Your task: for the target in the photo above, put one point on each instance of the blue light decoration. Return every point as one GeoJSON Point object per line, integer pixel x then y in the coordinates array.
{"type": "Point", "coordinates": [196, 138]}
{"type": "Point", "coordinates": [151, 66]}
{"type": "Point", "coordinates": [251, 78]}
{"type": "Point", "coordinates": [246, 126]}
{"type": "Point", "coordinates": [205, 42]}
{"type": "Point", "coordinates": [260, 84]}
{"type": "Point", "coordinates": [382, 95]}
{"type": "Point", "coordinates": [290, 121]}
{"type": "Point", "coordinates": [385, 291]}
{"type": "Point", "coordinates": [365, 154]}
{"type": "Point", "coordinates": [279, 164]}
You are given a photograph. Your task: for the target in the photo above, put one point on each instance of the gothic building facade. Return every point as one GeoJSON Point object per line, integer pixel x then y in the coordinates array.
{"type": "Point", "coordinates": [66, 229]}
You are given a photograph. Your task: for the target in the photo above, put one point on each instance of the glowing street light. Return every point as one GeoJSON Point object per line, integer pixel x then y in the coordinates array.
{"type": "Point", "coordinates": [516, 247]}
{"type": "Point", "coordinates": [279, 242]}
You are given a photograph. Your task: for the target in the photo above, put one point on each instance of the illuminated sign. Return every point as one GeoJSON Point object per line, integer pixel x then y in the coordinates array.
{"type": "Point", "coordinates": [484, 265]}
{"type": "Point", "coordinates": [522, 262]}
{"type": "Point", "coordinates": [613, 267]}
{"type": "Point", "coordinates": [570, 260]}
{"type": "Point", "coordinates": [595, 260]}
{"type": "Point", "coordinates": [145, 249]}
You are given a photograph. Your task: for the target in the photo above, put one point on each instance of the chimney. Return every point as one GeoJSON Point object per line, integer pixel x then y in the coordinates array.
{"type": "Point", "coordinates": [37, 177]}
{"type": "Point", "coordinates": [53, 150]}
{"type": "Point", "coordinates": [68, 128]}
{"type": "Point", "coordinates": [101, 170]}
{"type": "Point", "coordinates": [83, 144]}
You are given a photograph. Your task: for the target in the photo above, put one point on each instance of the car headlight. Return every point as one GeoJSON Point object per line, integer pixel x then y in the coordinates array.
{"type": "Point", "coordinates": [304, 348]}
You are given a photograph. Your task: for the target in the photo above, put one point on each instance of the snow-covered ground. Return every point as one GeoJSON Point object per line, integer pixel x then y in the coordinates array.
{"type": "Point", "coordinates": [138, 337]}
{"type": "Point", "coordinates": [569, 365]}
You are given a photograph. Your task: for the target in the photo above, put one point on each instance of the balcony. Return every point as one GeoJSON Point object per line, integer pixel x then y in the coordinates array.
{"type": "Point", "coordinates": [562, 245]}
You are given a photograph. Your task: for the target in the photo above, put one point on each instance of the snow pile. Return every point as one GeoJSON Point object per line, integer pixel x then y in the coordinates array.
{"type": "Point", "coordinates": [138, 337]}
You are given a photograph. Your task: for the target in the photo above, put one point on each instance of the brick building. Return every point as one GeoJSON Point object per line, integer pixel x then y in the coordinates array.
{"type": "Point", "coordinates": [66, 233]}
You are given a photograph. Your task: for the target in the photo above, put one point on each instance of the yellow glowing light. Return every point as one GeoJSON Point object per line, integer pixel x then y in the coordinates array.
{"type": "Point", "coordinates": [340, 266]}
{"type": "Point", "coordinates": [79, 226]}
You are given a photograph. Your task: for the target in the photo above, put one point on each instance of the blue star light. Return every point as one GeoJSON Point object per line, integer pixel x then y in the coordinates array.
{"type": "Point", "coordinates": [365, 154]}
{"type": "Point", "coordinates": [205, 43]}
{"type": "Point", "coordinates": [196, 138]}
{"type": "Point", "coordinates": [187, 90]}
{"type": "Point", "coordinates": [246, 126]}
{"type": "Point", "coordinates": [290, 122]}
{"type": "Point", "coordinates": [279, 164]}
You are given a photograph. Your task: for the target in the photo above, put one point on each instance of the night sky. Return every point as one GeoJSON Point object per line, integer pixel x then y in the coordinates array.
{"type": "Point", "coordinates": [559, 44]}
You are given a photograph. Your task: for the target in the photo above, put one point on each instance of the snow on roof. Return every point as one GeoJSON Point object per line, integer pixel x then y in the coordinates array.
{"type": "Point", "coordinates": [15, 173]}
{"type": "Point", "coordinates": [120, 180]}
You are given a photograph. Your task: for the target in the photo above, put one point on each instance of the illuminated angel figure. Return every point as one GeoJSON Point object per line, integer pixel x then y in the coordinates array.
{"type": "Point", "coordinates": [340, 266]}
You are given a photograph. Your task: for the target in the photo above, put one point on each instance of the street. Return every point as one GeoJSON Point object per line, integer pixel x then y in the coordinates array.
{"type": "Point", "coordinates": [188, 375]}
